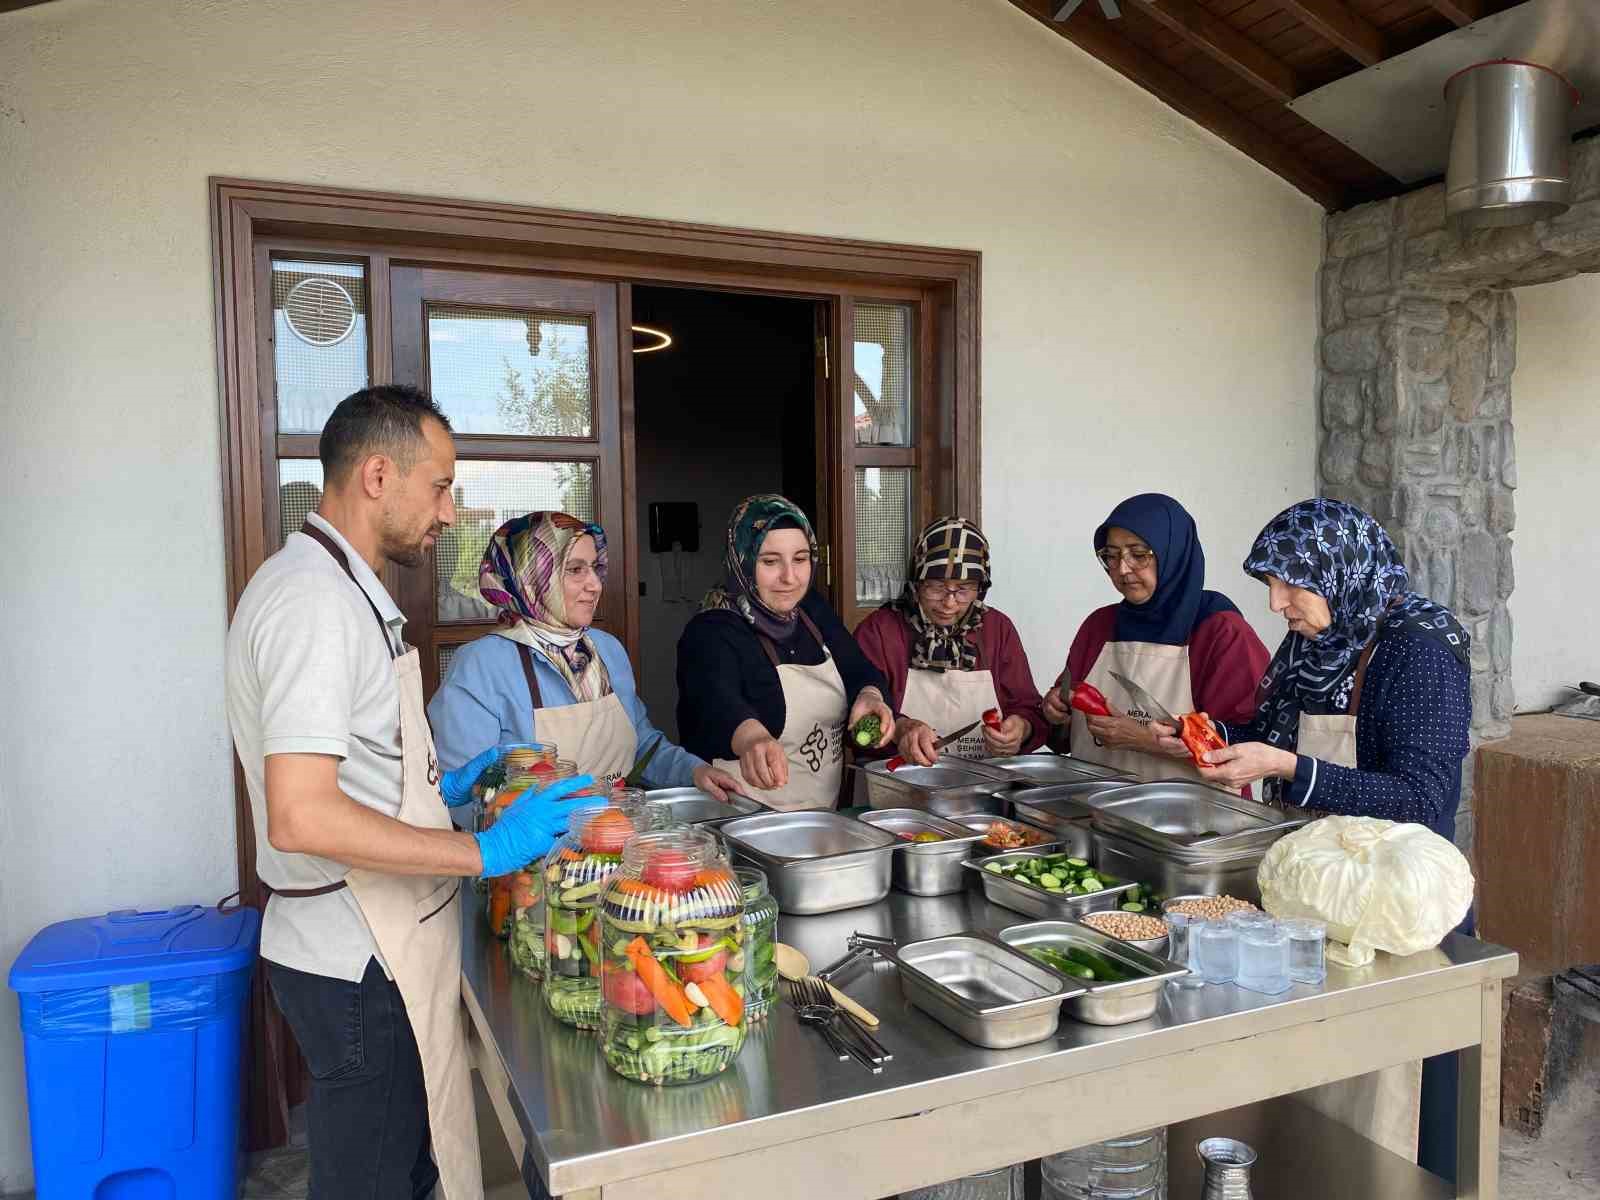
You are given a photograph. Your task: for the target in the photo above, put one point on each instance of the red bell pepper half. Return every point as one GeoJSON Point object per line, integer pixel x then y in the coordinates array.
{"type": "Point", "coordinates": [1199, 735]}
{"type": "Point", "coordinates": [1089, 700]}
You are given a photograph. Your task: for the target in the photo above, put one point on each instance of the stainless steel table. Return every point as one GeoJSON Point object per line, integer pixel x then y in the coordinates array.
{"type": "Point", "coordinates": [789, 1121]}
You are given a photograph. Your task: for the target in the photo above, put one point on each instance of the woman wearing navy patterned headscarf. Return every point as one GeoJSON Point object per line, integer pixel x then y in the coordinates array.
{"type": "Point", "coordinates": [1365, 711]}
{"type": "Point", "coordinates": [1366, 706]}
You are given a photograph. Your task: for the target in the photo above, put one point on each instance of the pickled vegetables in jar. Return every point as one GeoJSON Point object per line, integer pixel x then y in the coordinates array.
{"type": "Point", "coordinates": [671, 923]}
{"type": "Point", "coordinates": [575, 873]}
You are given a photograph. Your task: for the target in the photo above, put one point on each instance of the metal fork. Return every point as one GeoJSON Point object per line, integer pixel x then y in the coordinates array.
{"type": "Point", "coordinates": [817, 994]}
{"type": "Point", "coordinates": [814, 1016]}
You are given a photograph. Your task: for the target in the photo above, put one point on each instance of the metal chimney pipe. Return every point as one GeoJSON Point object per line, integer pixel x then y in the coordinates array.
{"type": "Point", "coordinates": [1509, 144]}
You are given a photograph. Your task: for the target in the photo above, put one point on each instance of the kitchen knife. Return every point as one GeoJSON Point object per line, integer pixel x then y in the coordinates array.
{"type": "Point", "coordinates": [1146, 701]}
{"type": "Point", "coordinates": [895, 763]}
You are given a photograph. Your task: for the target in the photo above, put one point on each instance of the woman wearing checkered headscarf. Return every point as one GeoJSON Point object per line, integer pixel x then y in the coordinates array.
{"type": "Point", "coordinates": [949, 657]}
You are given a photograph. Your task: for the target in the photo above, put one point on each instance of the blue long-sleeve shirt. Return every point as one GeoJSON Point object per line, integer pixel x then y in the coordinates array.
{"type": "Point", "coordinates": [1411, 734]}
{"type": "Point", "coordinates": [484, 702]}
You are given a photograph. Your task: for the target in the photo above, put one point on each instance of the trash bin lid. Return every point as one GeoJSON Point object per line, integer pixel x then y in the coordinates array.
{"type": "Point", "coordinates": [129, 946]}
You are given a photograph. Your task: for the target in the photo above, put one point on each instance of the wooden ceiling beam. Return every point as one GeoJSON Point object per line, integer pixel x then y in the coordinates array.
{"type": "Point", "coordinates": [1462, 12]}
{"type": "Point", "coordinates": [1097, 38]}
{"type": "Point", "coordinates": [1343, 26]}
{"type": "Point", "coordinates": [1222, 42]}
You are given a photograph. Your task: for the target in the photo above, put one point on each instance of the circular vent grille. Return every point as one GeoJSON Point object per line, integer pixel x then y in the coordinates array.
{"type": "Point", "coordinates": [320, 312]}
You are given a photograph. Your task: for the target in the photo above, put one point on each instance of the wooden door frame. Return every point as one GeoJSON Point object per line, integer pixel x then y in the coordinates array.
{"type": "Point", "coordinates": [635, 249]}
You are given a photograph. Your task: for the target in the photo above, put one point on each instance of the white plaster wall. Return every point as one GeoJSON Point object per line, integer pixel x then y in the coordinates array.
{"type": "Point", "coordinates": [1556, 547]}
{"type": "Point", "coordinates": [1147, 317]}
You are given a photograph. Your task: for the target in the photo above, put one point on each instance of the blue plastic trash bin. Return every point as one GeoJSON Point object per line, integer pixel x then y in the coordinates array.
{"type": "Point", "coordinates": [133, 1032]}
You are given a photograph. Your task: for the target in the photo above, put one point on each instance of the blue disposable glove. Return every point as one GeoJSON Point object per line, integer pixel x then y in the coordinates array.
{"type": "Point", "coordinates": [456, 786]}
{"type": "Point", "coordinates": [530, 826]}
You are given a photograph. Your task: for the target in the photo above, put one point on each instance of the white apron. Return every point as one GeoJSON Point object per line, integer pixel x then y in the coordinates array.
{"type": "Point", "coordinates": [947, 700]}
{"type": "Point", "coordinates": [815, 706]}
{"type": "Point", "coordinates": [1385, 1106]}
{"type": "Point", "coordinates": [596, 735]}
{"type": "Point", "coordinates": [1161, 670]}
{"type": "Point", "coordinates": [416, 922]}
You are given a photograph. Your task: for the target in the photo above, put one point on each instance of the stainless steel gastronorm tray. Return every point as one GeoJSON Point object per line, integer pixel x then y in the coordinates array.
{"type": "Point", "coordinates": [1061, 802]}
{"type": "Point", "coordinates": [926, 868]}
{"type": "Point", "coordinates": [1102, 1002]}
{"type": "Point", "coordinates": [691, 806]}
{"type": "Point", "coordinates": [815, 862]}
{"type": "Point", "coordinates": [951, 787]}
{"type": "Point", "coordinates": [983, 990]}
{"type": "Point", "coordinates": [1216, 875]}
{"type": "Point", "coordinates": [1042, 770]}
{"type": "Point", "coordinates": [1190, 818]}
{"type": "Point", "coordinates": [982, 821]}
{"type": "Point", "coordinates": [1037, 901]}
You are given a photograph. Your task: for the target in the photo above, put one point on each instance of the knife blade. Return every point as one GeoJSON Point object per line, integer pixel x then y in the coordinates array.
{"type": "Point", "coordinates": [950, 739]}
{"type": "Point", "coordinates": [898, 761]}
{"type": "Point", "coordinates": [1146, 701]}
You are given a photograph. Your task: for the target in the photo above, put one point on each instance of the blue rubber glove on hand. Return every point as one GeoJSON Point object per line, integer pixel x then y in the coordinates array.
{"type": "Point", "coordinates": [530, 826]}
{"type": "Point", "coordinates": [456, 786]}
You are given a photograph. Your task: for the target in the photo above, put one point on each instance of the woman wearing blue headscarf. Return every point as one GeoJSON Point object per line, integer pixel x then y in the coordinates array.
{"type": "Point", "coordinates": [1365, 712]}
{"type": "Point", "coordinates": [1188, 647]}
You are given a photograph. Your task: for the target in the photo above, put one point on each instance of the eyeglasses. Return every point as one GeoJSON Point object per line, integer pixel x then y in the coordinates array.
{"type": "Point", "coordinates": [964, 592]}
{"type": "Point", "coordinates": [581, 570]}
{"type": "Point", "coordinates": [1137, 557]}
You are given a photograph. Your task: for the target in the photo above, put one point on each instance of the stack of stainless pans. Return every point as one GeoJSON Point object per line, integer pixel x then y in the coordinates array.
{"type": "Point", "coordinates": [1185, 838]}
{"type": "Point", "coordinates": [951, 788]}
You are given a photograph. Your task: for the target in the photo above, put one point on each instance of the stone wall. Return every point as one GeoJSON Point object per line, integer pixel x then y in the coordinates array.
{"type": "Point", "coordinates": [1417, 348]}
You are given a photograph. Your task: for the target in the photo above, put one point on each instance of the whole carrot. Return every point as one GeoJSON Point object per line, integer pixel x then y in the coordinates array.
{"type": "Point", "coordinates": [667, 993]}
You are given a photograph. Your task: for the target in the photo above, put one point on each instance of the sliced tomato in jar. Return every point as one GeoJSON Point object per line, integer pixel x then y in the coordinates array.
{"type": "Point", "coordinates": [670, 871]}
{"type": "Point", "coordinates": [606, 832]}
{"type": "Point", "coordinates": [623, 989]}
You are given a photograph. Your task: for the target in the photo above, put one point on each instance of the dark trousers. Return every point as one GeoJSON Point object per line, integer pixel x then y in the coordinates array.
{"type": "Point", "coordinates": [367, 1117]}
{"type": "Point", "coordinates": [1441, 1090]}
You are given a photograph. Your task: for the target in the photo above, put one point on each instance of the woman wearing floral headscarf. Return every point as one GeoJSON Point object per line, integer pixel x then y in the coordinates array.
{"type": "Point", "coordinates": [1365, 712]}
{"type": "Point", "coordinates": [949, 657]}
{"type": "Point", "coordinates": [546, 674]}
{"type": "Point", "coordinates": [768, 676]}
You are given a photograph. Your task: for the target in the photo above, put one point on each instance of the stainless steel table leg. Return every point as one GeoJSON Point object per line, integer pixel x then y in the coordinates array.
{"type": "Point", "coordinates": [1478, 1108]}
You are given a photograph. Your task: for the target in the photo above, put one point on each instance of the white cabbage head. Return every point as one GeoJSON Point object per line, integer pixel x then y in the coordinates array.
{"type": "Point", "coordinates": [1378, 885]}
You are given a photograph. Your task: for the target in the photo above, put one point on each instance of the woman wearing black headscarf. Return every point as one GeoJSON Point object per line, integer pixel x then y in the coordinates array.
{"type": "Point", "coordinates": [1365, 712]}
{"type": "Point", "coordinates": [1189, 647]}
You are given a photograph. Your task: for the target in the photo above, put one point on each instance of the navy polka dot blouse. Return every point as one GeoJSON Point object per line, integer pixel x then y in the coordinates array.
{"type": "Point", "coordinates": [1411, 736]}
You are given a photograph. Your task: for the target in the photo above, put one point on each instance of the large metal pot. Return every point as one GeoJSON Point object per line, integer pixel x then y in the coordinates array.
{"type": "Point", "coordinates": [1509, 144]}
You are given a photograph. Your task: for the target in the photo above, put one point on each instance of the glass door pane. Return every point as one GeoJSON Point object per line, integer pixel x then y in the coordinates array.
{"type": "Point", "coordinates": [501, 371]}
{"type": "Point", "coordinates": [319, 339]}
{"type": "Point", "coordinates": [884, 351]}
{"type": "Point", "coordinates": [886, 516]}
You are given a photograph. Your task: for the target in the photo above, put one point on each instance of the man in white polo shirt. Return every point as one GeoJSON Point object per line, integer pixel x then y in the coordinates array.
{"type": "Point", "coordinates": [362, 934]}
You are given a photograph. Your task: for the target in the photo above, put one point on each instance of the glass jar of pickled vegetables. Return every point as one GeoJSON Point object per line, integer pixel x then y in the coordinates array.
{"type": "Point", "coordinates": [671, 922]}
{"type": "Point", "coordinates": [754, 963]}
{"type": "Point", "coordinates": [575, 872]}
{"type": "Point", "coordinates": [520, 895]}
